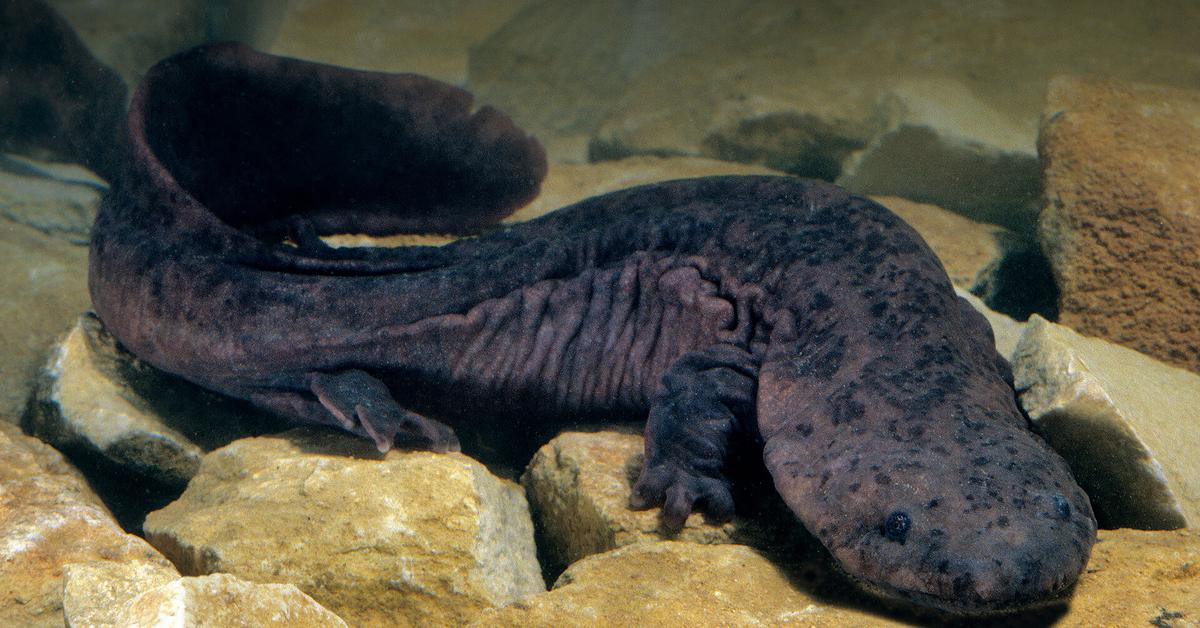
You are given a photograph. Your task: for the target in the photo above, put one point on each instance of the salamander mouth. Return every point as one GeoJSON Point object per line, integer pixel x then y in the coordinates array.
{"type": "Point", "coordinates": [969, 603]}
{"type": "Point", "coordinates": [957, 592]}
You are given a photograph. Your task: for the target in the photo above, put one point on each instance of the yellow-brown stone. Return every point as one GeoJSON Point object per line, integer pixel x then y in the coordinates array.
{"type": "Point", "coordinates": [579, 486]}
{"type": "Point", "coordinates": [1134, 578]}
{"type": "Point", "coordinates": [410, 537]}
{"type": "Point", "coordinates": [225, 600]}
{"type": "Point", "coordinates": [671, 583]}
{"type": "Point", "coordinates": [1121, 225]}
{"type": "Point", "coordinates": [49, 518]}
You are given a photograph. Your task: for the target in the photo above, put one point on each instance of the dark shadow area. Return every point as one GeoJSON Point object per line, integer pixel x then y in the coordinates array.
{"type": "Point", "coordinates": [1022, 283]}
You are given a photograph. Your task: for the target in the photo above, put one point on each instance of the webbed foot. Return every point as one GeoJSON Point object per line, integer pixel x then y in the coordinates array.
{"type": "Point", "coordinates": [362, 404]}
{"type": "Point", "coordinates": [702, 400]}
{"type": "Point", "coordinates": [680, 492]}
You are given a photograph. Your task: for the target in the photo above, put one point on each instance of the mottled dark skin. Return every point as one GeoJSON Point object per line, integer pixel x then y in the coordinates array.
{"type": "Point", "coordinates": [784, 309]}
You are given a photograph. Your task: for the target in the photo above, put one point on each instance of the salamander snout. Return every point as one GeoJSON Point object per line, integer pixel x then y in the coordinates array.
{"type": "Point", "coordinates": [1020, 549]}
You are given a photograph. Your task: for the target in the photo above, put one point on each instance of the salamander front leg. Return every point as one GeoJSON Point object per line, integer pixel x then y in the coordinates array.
{"type": "Point", "coordinates": [363, 404]}
{"type": "Point", "coordinates": [703, 396]}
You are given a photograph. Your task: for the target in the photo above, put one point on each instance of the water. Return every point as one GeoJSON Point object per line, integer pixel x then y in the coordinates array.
{"type": "Point", "coordinates": [1049, 155]}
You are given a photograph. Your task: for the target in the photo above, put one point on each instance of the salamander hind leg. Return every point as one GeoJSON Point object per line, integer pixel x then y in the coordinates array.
{"type": "Point", "coordinates": [703, 397]}
{"type": "Point", "coordinates": [362, 404]}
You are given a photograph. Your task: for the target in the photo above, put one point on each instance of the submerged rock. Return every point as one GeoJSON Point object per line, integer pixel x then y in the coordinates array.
{"type": "Point", "coordinates": [416, 537]}
{"type": "Point", "coordinates": [1006, 269]}
{"type": "Point", "coordinates": [44, 225]}
{"type": "Point", "coordinates": [672, 583]}
{"type": "Point", "coordinates": [938, 134]}
{"type": "Point", "coordinates": [225, 600]}
{"type": "Point", "coordinates": [1121, 224]}
{"type": "Point", "coordinates": [579, 485]}
{"type": "Point", "coordinates": [49, 518]}
{"type": "Point", "coordinates": [934, 95]}
{"type": "Point", "coordinates": [96, 592]}
{"type": "Point", "coordinates": [100, 594]}
{"type": "Point", "coordinates": [1006, 330]}
{"type": "Point", "coordinates": [123, 419]}
{"type": "Point", "coordinates": [1126, 424]}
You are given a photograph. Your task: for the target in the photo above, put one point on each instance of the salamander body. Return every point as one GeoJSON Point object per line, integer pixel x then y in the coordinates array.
{"type": "Point", "coordinates": [792, 311]}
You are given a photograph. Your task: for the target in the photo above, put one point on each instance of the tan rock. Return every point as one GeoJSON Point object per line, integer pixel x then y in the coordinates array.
{"type": "Point", "coordinates": [1138, 578]}
{"type": "Point", "coordinates": [1122, 219]}
{"type": "Point", "coordinates": [96, 399]}
{"type": "Point", "coordinates": [412, 537]}
{"type": "Point", "coordinates": [686, 584]}
{"type": "Point", "coordinates": [101, 594]}
{"type": "Point", "coordinates": [95, 593]}
{"type": "Point", "coordinates": [1134, 577]}
{"type": "Point", "coordinates": [44, 227]}
{"type": "Point", "coordinates": [225, 600]}
{"type": "Point", "coordinates": [49, 518]}
{"type": "Point", "coordinates": [579, 486]}
{"type": "Point", "coordinates": [1127, 424]}
{"type": "Point", "coordinates": [27, 458]}
{"type": "Point", "coordinates": [430, 38]}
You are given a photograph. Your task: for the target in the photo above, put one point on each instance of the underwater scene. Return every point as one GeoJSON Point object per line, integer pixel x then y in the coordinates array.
{"type": "Point", "coordinates": [599, 313]}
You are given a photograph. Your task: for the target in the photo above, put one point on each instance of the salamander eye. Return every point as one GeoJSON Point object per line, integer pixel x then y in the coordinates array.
{"type": "Point", "coordinates": [896, 526]}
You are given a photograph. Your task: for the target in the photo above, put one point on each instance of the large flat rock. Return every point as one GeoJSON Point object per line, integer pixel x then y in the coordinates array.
{"type": "Point", "coordinates": [225, 600]}
{"type": "Point", "coordinates": [96, 592]}
{"type": "Point", "coordinates": [408, 537]}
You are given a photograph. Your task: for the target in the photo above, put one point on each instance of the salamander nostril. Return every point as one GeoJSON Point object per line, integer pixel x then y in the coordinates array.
{"type": "Point", "coordinates": [896, 526]}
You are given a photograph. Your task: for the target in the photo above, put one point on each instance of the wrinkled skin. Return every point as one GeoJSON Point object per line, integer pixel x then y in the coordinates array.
{"type": "Point", "coordinates": [783, 309]}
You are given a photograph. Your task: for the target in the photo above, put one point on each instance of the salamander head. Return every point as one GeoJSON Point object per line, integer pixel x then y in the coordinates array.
{"type": "Point", "coordinates": [970, 532]}
{"type": "Point", "coordinates": [987, 532]}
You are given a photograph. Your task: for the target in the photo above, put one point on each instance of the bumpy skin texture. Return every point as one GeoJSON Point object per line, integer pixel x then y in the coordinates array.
{"type": "Point", "coordinates": [785, 309]}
